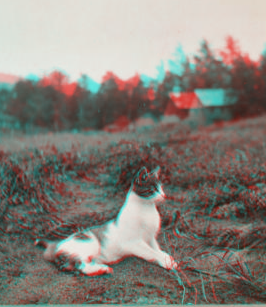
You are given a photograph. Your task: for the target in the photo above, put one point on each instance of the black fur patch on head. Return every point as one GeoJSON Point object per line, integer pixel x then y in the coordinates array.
{"type": "Point", "coordinates": [82, 236]}
{"type": "Point", "coordinates": [146, 184]}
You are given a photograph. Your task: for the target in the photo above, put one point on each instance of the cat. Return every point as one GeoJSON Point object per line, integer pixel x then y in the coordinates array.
{"type": "Point", "coordinates": [132, 233]}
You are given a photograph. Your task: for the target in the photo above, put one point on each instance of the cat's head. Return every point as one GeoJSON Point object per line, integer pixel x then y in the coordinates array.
{"type": "Point", "coordinates": [147, 184]}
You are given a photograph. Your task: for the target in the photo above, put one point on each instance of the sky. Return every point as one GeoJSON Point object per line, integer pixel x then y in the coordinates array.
{"type": "Point", "coordinates": [122, 36]}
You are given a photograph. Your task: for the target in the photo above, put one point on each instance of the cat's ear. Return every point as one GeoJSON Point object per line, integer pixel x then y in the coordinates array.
{"type": "Point", "coordinates": [156, 172]}
{"type": "Point", "coordinates": [141, 175]}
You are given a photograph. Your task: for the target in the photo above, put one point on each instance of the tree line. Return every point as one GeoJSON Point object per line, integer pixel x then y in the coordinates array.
{"type": "Point", "coordinates": [55, 103]}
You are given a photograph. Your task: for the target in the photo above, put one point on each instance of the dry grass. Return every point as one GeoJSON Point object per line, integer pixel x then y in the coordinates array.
{"type": "Point", "coordinates": [213, 221]}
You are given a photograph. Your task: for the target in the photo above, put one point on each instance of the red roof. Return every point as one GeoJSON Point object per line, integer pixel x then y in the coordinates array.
{"type": "Point", "coordinates": [7, 78]}
{"type": "Point", "coordinates": [186, 100]}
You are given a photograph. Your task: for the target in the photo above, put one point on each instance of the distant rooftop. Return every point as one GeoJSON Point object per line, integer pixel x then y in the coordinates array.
{"type": "Point", "coordinates": [211, 97]}
{"type": "Point", "coordinates": [203, 98]}
{"type": "Point", "coordinates": [186, 100]}
{"type": "Point", "coordinates": [8, 78]}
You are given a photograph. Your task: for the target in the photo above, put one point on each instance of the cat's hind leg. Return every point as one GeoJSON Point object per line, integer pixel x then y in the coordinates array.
{"type": "Point", "coordinates": [85, 248]}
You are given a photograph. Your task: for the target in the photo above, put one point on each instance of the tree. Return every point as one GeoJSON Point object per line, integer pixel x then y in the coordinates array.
{"type": "Point", "coordinates": [138, 102]}
{"type": "Point", "coordinates": [111, 99]}
{"type": "Point", "coordinates": [187, 80]}
{"type": "Point", "coordinates": [176, 65]}
{"type": "Point", "coordinates": [231, 51]}
{"type": "Point", "coordinates": [262, 80]}
{"type": "Point", "coordinates": [245, 80]}
{"type": "Point", "coordinates": [40, 106]}
{"type": "Point", "coordinates": [162, 97]}
{"type": "Point", "coordinates": [18, 105]}
{"type": "Point", "coordinates": [56, 83]}
{"type": "Point", "coordinates": [5, 96]}
{"type": "Point", "coordinates": [56, 79]}
{"type": "Point", "coordinates": [209, 71]}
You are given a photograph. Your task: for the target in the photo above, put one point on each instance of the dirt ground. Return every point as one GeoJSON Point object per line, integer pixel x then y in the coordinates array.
{"type": "Point", "coordinates": [25, 278]}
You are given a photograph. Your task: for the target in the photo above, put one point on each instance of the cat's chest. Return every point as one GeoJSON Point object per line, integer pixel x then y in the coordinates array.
{"type": "Point", "coordinates": [149, 224]}
{"type": "Point", "coordinates": [149, 218]}
{"type": "Point", "coordinates": [139, 220]}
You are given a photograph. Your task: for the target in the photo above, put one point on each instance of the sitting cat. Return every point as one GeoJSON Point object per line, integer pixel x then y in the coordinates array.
{"type": "Point", "coordinates": [132, 233]}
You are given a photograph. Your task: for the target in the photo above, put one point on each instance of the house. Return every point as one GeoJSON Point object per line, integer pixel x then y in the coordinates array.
{"type": "Point", "coordinates": [185, 106]}
{"type": "Point", "coordinates": [217, 103]}
{"type": "Point", "coordinates": [203, 106]}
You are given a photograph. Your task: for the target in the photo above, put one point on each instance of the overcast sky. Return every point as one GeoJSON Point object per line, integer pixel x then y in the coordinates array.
{"type": "Point", "coordinates": [123, 36]}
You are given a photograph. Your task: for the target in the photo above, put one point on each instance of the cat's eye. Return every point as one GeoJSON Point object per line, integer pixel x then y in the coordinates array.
{"type": "Point", "coordinates": [144, 177]}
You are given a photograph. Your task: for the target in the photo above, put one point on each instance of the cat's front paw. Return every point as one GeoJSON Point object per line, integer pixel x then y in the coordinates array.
{"type": "Point", "coordinates": [109, 271]}
{"type": "Point", "coordinates": [102, 270]}
{"type": "Point", "coordinates": [169, 262]}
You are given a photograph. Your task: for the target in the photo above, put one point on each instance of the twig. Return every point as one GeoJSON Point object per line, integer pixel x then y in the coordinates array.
{"type": "Point", "coordinates": [5, 207]}
{"type": "Point", "coordinates": [255, 243]}
{"type": "Point", "coordinates": [180, 282]}
{"type": "Point", "coordinates": [224, 279]}
{"type": "Point", "coordinates": [213, 291]}
{"type": "Point", "coordinates": [231, 267]}
{"type": "Point", "coordinates": [202, 283]}
{"type": "Point", "coordinates": [183, 273]}
{"type": "Point", "coordinates": [196, 291]}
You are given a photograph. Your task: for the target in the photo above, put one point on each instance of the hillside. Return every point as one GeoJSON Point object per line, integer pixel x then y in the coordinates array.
{"type": "Point", "coordinates": [213, 221]}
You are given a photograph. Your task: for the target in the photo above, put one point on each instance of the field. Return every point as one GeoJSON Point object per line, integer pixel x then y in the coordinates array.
{"type": "Point", "coordinates": [213, 221]}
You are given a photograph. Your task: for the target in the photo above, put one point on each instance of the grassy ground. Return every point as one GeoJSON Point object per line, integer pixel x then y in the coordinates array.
{"type": "Point", "coordinates": [213, 221]}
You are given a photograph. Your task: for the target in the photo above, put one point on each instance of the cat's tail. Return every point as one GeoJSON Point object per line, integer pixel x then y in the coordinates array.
{"type": "Point", "coordinates": [41, 242]}
{"type": "Point", "coordinates": [50, 246]}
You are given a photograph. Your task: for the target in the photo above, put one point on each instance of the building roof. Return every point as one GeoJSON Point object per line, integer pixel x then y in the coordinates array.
{"type": "Point", "coordinates": [8, 78]}
{"type": "Point", "coordinates": [216, 97]}
{"type": "Point", "coordinates": [187, 100]}
{"type": "Point", "coordinates": [202, 98]}
{"type": "Point", "coordinates": [211, 97]}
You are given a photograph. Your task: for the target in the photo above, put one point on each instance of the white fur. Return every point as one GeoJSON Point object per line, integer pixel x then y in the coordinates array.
{"type": "Point", "coordinates": [133, 233]}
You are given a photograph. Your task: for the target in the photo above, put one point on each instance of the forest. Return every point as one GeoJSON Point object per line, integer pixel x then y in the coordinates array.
{"type": "Point", "coordinates": [56, 104]}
